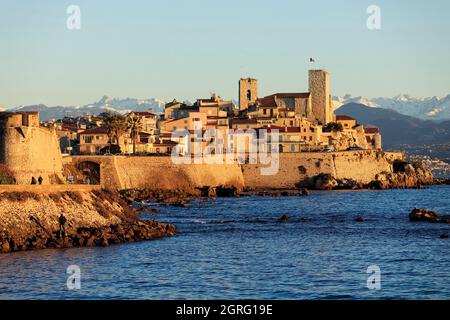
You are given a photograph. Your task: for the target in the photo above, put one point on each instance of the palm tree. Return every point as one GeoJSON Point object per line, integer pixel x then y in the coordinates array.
{"type": "Point", "coordinates": [134, 126]}
{"type": "Point", "coordinates": [116, 127]}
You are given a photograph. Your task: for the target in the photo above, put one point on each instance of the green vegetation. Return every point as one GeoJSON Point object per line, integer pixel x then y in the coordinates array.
{"type": "Point", "coordinates": [333, 127]}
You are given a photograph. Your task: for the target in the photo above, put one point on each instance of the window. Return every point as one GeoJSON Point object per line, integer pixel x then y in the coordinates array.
{"type": "Point", "coordinates": [249, 95]}
{"type": "Point", "coordinates": [292, 147]}
{"type": "Point", "coordinates": [264, 111]}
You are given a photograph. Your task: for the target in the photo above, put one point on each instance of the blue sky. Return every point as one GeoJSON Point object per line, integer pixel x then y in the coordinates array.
{"type": "Point", "coordinates": [186, 49]}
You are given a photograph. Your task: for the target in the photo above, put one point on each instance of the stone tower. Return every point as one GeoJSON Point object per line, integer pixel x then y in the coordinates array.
{"type": "Point", "coordinates": [319, 88]}
{"type": "Point", "coordinates": [248, 92]}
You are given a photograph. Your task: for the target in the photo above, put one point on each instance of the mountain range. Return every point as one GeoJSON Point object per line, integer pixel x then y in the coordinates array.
{"type": "Point", "coordinates": [104, 104]}
{"type": "Point", "coordinates": [402, 119]}
{"type": "Point", "coordinates": [398, 128]}
{"type": "Point", "coordinates": [432, 108]}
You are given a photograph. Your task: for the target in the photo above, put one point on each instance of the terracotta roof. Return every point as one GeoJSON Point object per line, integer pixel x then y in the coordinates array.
{"type": "Point", "coordinates": [268, 102]}
{"type": "Point", "coordinates": [343, 117]}
{"type": "Point", "coordinates": [371, 130]}
{"type": "Point", "coordinates": [304, 95]}
{"type": "Point", "coordinates": [143, 114]}
{"type": "Point", "coordinates": [238, 120]}
{"type": "Point", "coordinates": [98, 130]}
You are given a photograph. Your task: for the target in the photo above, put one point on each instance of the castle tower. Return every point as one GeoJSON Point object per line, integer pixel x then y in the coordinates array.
{"type": "Point", "coordinates": [248, 92]}
{"type": "Point", "coordinates": [319, 88]}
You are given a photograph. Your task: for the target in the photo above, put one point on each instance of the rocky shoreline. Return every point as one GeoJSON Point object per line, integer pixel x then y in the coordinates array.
{"type": "Point", "coordinates": [31, 221]}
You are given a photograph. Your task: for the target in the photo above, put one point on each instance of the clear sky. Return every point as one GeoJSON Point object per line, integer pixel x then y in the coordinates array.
{"type": "Point", "coordinates": [186, 49]}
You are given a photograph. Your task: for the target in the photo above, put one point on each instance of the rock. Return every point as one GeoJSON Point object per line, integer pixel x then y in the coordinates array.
{"type": "Point", "coordinates": [420, 214]}
{"type": "Point", "coordinates": [207, 192]}
{"type": "Point", "coordinates": [325, 181]}
{"type": "Point", "coordinates": [5, 247]}
{"type": "Point", "coordinates": [180, 204]}
{"type": "Point", "coordinates": [444, 236]}
{"type": "Point", "coordinates": [227, 192]}
{"type": "Point", "coordinates": [284, 217]}
{"type": "Point", "coordinates": [304, 192]}
{"type": "Point", "coordinates": [377, 185]}
{"type": "Point", "coordinates": [155, 210]}
{"type": "Point", "coordinates": [359, 219]}
{"type": "Point", "coordinates": [104, 242]}
{"type": "Point", "coordinates": [90, 242]}
{"type": "Point", "coordinates": [284, 193]}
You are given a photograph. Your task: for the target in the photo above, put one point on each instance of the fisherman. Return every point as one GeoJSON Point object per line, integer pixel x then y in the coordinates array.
{"type": "Point", "coordinates": [62, 228]}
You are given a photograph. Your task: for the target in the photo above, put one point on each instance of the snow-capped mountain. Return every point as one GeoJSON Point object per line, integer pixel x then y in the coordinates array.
{"type": "Point", "coordinates": [105, 104]}
{"type": "Point", "coordinates": [432, 108]}
{"type": "Point", "coordinates": [340, 101]}
{"type": "Point", "coordinates": [128, 104]}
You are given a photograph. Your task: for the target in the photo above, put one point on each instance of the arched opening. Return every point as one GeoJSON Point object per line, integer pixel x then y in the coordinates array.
{"type": "Point", "coordinates": [249, 95]}
{"type": "Point", "coordinates": [88, 172]}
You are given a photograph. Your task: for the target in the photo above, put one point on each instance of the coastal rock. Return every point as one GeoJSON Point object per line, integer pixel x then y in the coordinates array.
{"type": "Point", "coordinates": [227, 192]}
{"type": "Point", "coordinates": [97, 218]}
{"type": "Point", "coordinates": [421, 214]}
{"type": "Point", "coordinates": [5, 247]}
{"type": "Point", "coordinates": [404, 175]}
{"type": "Point", "coordinates": [324, 181]}
{"type": "Point", "coordinates": [304, 192]}
{"type": "Point", "coordinates": [284, 217]}
{"type": "Point", "coordinates": [359, 219]}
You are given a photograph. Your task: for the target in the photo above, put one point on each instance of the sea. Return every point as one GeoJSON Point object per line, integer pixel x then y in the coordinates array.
{"type": "Point", "coordinates": [335, 245]}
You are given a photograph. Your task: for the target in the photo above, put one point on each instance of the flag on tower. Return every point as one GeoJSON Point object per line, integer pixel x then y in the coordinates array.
{"type": "Point", "coordinates": [312, 60]}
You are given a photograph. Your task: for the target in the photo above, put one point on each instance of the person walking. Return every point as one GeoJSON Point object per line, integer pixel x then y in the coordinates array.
{"type": "Point", "coordinates": [33, 180]}
{"type": "Point", "coordinates": [40, 179]}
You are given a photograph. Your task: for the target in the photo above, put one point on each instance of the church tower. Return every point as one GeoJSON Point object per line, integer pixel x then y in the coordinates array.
{"type": "Point", "coordinates": [319, 88]}
{"type": "Point", "coordinates": [248, 92]}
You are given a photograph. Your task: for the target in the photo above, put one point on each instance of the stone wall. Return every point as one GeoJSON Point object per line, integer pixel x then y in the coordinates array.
{"type": "Point", "coordinates": [161, 173]}
{"type": "Point", "coordinates": [31, 152]}
{"type": "Point", "coordinates": [361, 166]}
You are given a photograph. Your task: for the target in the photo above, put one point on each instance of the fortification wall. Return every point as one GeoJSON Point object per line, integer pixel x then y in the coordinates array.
{"type": "Point", "coordinates": [361, 166]}
{"type": "Point", "coordinates": [31, 152]}
{"type": "Point", "coordinates": [162, 173]}
{"type": "Point", "coordinates": [121, 172]}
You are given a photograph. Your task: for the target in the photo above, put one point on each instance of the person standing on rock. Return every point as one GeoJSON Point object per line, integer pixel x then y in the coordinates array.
{"type": "Point", "coordinates": [40, 179]}
{"type": "Point", "coordinates": [62, 225]}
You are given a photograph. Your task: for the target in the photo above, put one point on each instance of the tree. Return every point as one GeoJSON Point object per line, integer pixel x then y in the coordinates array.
{"type": "Point", "coordinates": [134, 126]}
{"type": "Point", "coordinates": [116, 126]}
{"type": "Point", "coordinates": [333, 126]}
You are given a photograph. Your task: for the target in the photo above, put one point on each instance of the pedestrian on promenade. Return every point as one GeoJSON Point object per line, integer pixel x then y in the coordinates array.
{"type": "Point", "coordinates": [33, 180]}
{"type": "Point", "coordinates": [40, 179]}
